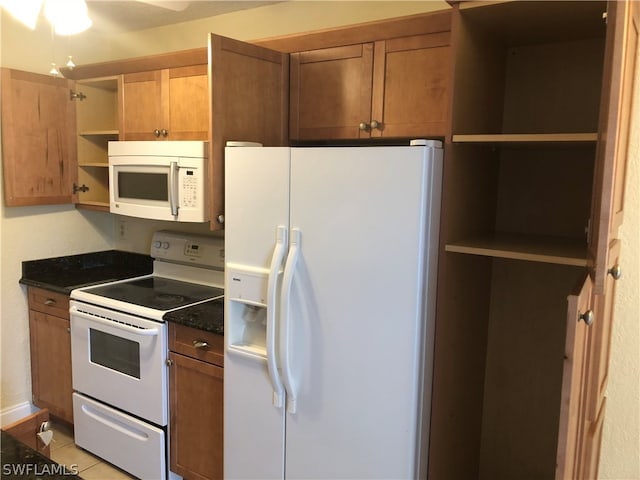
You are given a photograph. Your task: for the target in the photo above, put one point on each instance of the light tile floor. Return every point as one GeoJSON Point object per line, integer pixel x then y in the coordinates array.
{"type": "Point", "coordinates": [89, 467]}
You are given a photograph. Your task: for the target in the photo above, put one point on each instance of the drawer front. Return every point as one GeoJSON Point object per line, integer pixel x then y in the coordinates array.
{"type": "Point", "coordinates": [135, 446]}
{"type": "Point", "coordinates": [194, 343]}
{"type": "Point", "coordinates": [49, 302]}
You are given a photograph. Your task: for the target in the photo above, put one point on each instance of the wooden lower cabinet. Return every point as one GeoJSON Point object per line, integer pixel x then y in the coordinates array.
{"type": "Point", "coordinates": [50, 343]}
{"type": "Point", "coordinates": [195, 403]}
{"type": "Point", "coordinates": [26, 430]}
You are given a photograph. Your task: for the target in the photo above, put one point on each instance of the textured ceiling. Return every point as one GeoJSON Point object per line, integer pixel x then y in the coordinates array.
{"type": "Point", "coordinates": [127, 16]}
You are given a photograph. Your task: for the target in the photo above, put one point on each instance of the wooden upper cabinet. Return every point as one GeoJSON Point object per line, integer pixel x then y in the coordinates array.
{"type": "Point", "coordinates": [249, 102]}
{"type": "Point", "coordinates": [331, 92]}
{"type": "Point", "coordinates": [623, 25]}
{"type": "Point", "coordinates": [389, 88]}
{"type": "Point", "coordinates": [188, 103]}
{"type": "Point", "coordinates": [168, 104]}
{"type": "Point", "coordinates": [38, 139]}
{"type": "Point", "coordinates": [411, 86]}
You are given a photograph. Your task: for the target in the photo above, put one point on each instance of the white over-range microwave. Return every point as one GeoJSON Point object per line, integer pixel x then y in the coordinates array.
{"type": "Point", "coordinates": [159, 180]}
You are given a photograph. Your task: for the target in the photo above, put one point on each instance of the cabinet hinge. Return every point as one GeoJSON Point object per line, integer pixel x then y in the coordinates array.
{"type": "Point", "coordinates": [82, 188]}
{"type": "Point", "coordinates": [587, 231]}
{"type": "Point", "coordinates": [76, 96]}
{"type": "Point", "coordinates": [605, 16]}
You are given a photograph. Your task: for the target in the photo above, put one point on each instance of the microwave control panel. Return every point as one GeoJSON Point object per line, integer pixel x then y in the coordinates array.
{"type": "Point", "coordinates": [189, 187]}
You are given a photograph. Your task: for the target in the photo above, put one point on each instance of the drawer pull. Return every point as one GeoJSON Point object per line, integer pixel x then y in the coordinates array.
{"type": "Point", "coordinates": [200, 344]}
{"type": "Point", "coordinates": [49, 301]}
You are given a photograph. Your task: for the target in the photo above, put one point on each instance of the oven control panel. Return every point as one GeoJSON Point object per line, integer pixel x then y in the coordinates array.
{"type": "Point", "coordinates": [193, 249]}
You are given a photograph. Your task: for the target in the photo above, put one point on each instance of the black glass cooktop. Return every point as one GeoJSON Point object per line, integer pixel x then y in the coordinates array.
{"type": "Point", "coordinates": [157, 292]}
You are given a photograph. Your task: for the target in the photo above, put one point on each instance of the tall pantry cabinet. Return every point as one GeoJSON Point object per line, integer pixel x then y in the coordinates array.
{"type": "Point", "coordinates": [533, 190]}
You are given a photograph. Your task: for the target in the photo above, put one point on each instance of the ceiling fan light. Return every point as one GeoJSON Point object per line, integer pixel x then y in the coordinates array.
{"type": "Point", "coordinates": [25, 11]}
{"type": "Point", "coordinates": [68, 17]}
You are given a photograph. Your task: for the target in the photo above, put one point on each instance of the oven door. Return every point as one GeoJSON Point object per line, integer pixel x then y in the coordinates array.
{"type": "Point", "coordinates": [120, 359]}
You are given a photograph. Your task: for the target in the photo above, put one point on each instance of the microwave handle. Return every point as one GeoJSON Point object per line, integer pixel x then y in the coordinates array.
{"type": "Point", "coordinates": [173, 188]}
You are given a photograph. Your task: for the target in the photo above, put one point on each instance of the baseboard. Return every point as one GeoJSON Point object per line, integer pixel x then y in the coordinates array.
{"type": "Point", "coordinates": [15, 413]}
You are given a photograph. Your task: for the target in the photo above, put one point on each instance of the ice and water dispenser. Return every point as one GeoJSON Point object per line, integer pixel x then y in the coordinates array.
{"type": "Point", "coordinates": [246, 291]}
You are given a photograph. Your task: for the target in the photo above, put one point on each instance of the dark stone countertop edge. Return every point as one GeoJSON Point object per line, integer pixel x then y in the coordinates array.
{"type": "Point", "coordinates": [21, 461]}
{"type": "Point", "coordinates": [63, 274]}
{"type": "Point", "coordinates": [207, 316]}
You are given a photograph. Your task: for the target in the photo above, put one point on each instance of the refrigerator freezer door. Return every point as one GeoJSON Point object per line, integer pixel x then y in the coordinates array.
{"type": "Point", "coordinates": [358, 316]}
{"type": "Point", "coordinates": [256, 203]}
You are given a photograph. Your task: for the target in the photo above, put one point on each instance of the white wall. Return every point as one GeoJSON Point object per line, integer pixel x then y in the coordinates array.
{"type": "Point", "coordinates": [38, 232]}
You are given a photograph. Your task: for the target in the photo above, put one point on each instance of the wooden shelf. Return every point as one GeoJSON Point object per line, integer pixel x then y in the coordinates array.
{"type": "Point", "coordinates": [94, 164]}
{"type": "Point", "coordinates": [528, 138]}
{"type": "Point", "coordinates": [101, 133]}
{"type": "Point", "coordinates": [91, 205]}
{"type": "Point", "coordinates": [533, 248]}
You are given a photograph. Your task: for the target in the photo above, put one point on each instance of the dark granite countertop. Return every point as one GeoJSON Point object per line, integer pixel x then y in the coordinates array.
{"type": "Point", "coordinates": [63, 274]}
{"type": "Point", "coordinates": [208, 316]}
{"type": "Point", "coordinates": [21, 461]}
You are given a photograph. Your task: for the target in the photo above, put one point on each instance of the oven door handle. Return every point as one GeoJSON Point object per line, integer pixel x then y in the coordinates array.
{"type": "Point", "coordinates": [115, 424]}
{"type": "Point", "coordinates": [143, 332]}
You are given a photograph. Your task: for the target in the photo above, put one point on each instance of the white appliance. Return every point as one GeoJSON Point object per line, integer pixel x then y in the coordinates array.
{"type": "Point", "coordinates": [329, 310]}
{"type": "Point", "coordinates": [159, 180]}
{"type": "Point", "coordinates": [119, 350]}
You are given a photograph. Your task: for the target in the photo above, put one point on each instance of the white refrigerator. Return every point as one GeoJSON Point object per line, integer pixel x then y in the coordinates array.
{"type": "Point", "coordinates": [330, 285]}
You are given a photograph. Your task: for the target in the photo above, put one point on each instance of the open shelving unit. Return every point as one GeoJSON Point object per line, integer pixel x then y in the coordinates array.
{"type": "Point", "coordinates": [97, 118]}
{"type": "Point", "coordinates": [517, 195]}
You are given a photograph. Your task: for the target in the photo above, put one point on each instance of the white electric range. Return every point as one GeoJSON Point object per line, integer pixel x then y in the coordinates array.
{"type": "Point", "coordinates": [119, 351]}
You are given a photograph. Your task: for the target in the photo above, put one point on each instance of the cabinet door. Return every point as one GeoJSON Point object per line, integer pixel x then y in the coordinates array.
{"type": "Point", "coordinates": [623, 25]}
{"type": "Point", "coordinates": [411, 86]}
{"type": "Point", "coordinates": [249, 88]}
{"type": "Point", "coordinates": [186, 95]}
{"type": "Point", "coordinates": [572, 402]}
{"type": "Point", "coordinates": [196, 435]}
{"type": "Point", "coordinates": [331, 93]}
{"type": "Point", "coordinates": [51, 364]}
{"type": "Point", "coordinates": [142, 105]}
{"type": "Point", "coordinates": [38, 139]}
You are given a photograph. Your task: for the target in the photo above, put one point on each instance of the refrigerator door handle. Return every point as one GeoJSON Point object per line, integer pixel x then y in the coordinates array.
{"type": "Point", "coordinates": [272, 287]}
{"type": "Point", "coordinates": [289, 270]}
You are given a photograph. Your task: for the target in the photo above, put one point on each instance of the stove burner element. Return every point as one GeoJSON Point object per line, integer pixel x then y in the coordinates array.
{"type": "Point", "coordinates": [158, 293]}
{"type": "Point", "coordinates": [169, 298]}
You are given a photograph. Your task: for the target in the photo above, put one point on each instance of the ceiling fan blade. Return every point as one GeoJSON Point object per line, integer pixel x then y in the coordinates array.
{"type": "Point", "coordinates": [176, 6]}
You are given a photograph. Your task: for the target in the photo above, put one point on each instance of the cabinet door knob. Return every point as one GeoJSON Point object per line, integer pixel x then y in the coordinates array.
{"type": "Point", "coordinates": [364, 126]}
{"type": "Point", "coordinates": [49, 301]}
{"type": "Point", "coordinates": [376, 125]}
{"type": "Point", "coordinates": [587, 317]}
{"type": "Point", "coordinates": [200, 344]}
{"type": "Point", "coordinates": [615, 271]}
{"type": "Point", "coordinates": [156, 133]}
{"type": "Point", "coordinates": [164, 132]}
